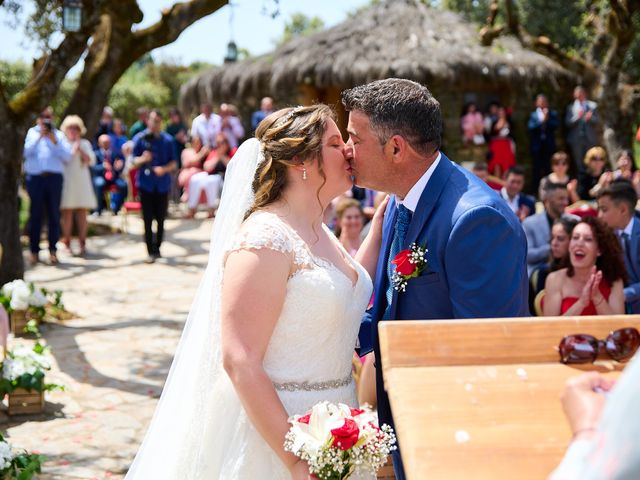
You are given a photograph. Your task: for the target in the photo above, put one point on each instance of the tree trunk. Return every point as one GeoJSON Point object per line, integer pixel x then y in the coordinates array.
{"type": "Point", "coordinates": [106, 61]}
{"type": "Point", "coordinates": [11, 144]}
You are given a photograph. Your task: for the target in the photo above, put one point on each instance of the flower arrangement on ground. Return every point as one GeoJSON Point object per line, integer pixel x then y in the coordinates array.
{"type": "Point", "coordinates": [36, 302]}
{"type": "Point", "coordinates": [338, 441]}
{"type": "Point", "coordinates": [25, 367]}
{"type": "Point", "coordinates": [17, 465]}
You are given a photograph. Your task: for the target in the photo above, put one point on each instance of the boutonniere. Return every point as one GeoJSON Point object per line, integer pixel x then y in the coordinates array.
{"type": "Point", "coordinates": [409, 264]}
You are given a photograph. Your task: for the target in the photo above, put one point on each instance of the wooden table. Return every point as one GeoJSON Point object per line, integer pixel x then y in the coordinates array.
{"type": "Point", "coordinates": [479, 399]}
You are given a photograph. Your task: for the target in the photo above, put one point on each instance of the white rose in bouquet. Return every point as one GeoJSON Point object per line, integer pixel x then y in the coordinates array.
{"type": "Point", "coordinates": [5, 455]}
{"type": "Point", "coordinates": [7, 288]}
{"type": "Point", "coordinates": [20, 297]}
{"type": "Point", "coordinates": [37, 298]}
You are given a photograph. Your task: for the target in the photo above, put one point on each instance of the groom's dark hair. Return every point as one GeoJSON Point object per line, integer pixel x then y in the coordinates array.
{"type": "Point", "coordinates": [397, 106]}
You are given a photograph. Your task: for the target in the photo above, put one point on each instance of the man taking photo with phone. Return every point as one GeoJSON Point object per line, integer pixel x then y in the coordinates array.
{"type": "Point", "coordinates": [45, 153]}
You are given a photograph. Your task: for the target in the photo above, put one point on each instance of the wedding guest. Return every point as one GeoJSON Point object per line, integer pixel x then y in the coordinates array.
{"type": "Point", "coordinates": [522, 205]}
{"type": "Point", "coordinates": [206, 125]}
{"type": "Point", "coordinates": [592, 284]}
{"type": "Point", "coordinates": [602, 415]}
{"type": "Point", "coordinates": [178, 131]}
{"type": "Point", "coordinates": [46, 151]}
{"type": "Point", "coordinates": [558, 252]}
{"type": "Point", "coordinates": [481, 170]}
{"type": "Point", "coordinates": [107, 176]}
{"type": "Point", "coordinates": [625, 166]}
{"type": "Point", "coordinates": [490, 118]}
{"type": "Point", "coordinates": [78, 196]}
{"type": "Point", "coordinates": [350, 220]}
{"type": "Point", "coordinates": [559, 175]}
{"type": "Point", "coordinates": [105, 127]}
{"type": "Point", "coordinates": [501, 144]}
{"type": "Point", "coordinates": [230, 124]}
{"type": "Point", "coordinates": [537, 227]}
{"type": "Point", "coordinates": [472, 125]}
{"type": "Point", "coordinates": [582, 121]}
{"type": "Point", "coordinates": [616, 208]}
{"type": "Point", "coordinates": [218, 159]}
{"type": "Point", "coordinates": [141, 123]}
{"type": "Point", "coordinates": [542, 126]}
{"type": "Point", "coordinates": [154, 153]}
{"type": "Point", "coordinates": [118, 136]}
{"type": "Point", "coordinates": [193, 158]}
{"type": "Point", "coordinates": [210, 180]}
{"type": "Point", "coordinates": [266, 108]}
{"type": "Point", "coordinates": [594, 176]}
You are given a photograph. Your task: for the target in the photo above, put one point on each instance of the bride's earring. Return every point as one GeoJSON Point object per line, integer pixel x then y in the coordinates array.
{"type": "Point", "coordinates": [304, 174]}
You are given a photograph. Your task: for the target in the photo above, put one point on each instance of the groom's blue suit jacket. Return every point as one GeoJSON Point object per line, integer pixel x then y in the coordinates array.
{"type": "Point", "coordinates": [477, 257]}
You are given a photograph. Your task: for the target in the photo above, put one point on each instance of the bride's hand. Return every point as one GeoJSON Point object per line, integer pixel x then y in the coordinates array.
{"type": "Point", "coordinates": [300, 471]}
{"type": "Point", "coordinates": [378, 217]}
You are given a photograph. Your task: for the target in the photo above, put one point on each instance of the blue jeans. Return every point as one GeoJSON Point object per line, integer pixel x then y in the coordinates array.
{"type": "Point", "coordinates": [45, 192]}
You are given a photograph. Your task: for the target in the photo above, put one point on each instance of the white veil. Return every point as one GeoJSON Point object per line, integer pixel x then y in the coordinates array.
{"type": "Point", "coordinates": [175, 445]}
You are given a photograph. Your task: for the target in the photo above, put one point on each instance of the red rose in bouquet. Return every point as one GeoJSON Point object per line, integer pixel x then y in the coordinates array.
{"type": "Point", "coordinates": [402, 263]}
{"type": "Point", "coordinates": [346, 436]}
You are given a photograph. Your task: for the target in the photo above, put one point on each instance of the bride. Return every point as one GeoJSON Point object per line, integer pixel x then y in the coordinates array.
{"type": "Point", "coordinates": [275, 320]}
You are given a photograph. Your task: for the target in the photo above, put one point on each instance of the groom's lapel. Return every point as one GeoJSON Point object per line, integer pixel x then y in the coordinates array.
{"type": "Point", "coordinates": [427, 201]}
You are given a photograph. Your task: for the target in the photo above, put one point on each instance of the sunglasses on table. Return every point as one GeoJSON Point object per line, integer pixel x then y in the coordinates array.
{"type": "Point", "coordinates": [620, 345]}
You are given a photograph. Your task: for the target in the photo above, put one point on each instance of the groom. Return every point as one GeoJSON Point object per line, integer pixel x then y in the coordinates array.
{"type": "Point", "coordinates": [476, 258]}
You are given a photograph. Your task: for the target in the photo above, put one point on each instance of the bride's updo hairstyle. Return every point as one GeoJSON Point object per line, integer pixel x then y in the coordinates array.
{"type": "Point", "coordinates": [287, 137]}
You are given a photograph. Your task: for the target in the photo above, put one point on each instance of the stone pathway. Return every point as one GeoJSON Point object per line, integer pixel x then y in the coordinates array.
{"type": "Point", "coordinates": [114, 358]}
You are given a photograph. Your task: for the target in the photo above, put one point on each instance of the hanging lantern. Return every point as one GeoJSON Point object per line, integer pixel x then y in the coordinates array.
{"type": "Point", "coordinates": [232, 52]}
{"type": "Point", "coordinates": [72, 15]}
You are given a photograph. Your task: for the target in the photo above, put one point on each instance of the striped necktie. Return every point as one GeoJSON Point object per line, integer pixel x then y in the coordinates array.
{"type": "Point", "coordinates": [403, 220]}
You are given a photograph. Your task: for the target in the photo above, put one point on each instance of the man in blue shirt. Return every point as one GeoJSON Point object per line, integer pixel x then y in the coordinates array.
{"type": "Point", "coordinates": [266, 109]}
{"type": "Point", "coordinates": [154, 154]}
{"type": "Point", "coordinates": [45, 153]}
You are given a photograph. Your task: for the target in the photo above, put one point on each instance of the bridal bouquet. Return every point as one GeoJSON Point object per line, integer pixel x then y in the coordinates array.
{"type": "Point", "coordinates": [337, 441]}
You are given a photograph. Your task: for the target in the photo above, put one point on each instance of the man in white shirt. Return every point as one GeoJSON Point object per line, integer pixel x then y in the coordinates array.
{"type": "Point", "coordinates": [616, 207]}
{"type": "Point", "coordinates": [206, 125]}
{"type": "Point", "coordinates": [231, 125]}
{"type": "Point", "coordinates": [519, 203]}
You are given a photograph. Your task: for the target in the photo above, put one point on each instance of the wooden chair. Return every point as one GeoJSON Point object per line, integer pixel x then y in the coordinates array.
{"type": "Point", "coordinates": [538, 303]}
{"type": "Point", "coordinates": [480, 398]}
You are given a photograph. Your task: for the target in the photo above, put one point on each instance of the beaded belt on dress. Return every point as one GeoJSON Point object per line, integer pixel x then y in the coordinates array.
{"type": "Point", "coordinates": [311, 386]}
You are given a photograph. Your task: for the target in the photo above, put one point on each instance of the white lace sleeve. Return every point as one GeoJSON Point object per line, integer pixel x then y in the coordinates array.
{"type": "Point", "coordinates": [266, 230]}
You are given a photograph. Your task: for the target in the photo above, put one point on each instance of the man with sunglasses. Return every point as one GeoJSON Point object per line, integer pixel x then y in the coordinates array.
{"type": "Point", "coordinates": [45, 153]}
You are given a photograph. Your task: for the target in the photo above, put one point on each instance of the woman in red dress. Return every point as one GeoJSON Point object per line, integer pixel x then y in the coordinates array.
{"type": "Point", "coordinates": [593, 282]}
{"type": "Point", "coordinates": [501, 145]}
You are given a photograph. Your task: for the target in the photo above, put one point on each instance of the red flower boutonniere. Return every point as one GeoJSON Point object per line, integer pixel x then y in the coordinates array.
{"type": "Point", "coordinates": [409, 264]}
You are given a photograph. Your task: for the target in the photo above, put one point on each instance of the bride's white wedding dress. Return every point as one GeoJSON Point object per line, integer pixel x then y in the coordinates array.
{"type": "Point", "coordinates": [200, 430]}
{"type": "Point", "coordinates": [310, 351]}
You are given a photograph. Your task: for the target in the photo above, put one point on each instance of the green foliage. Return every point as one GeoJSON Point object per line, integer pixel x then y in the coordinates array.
{"type": "Point", "coordinates": [31, 381]}
{"type": "Point", "coordinates": [14, 76]}
{"type": "Point", "coordinates": [567, 23]}
{"type": "Point", "coordinates": [24, 465]}
{"type": "Point", "coordinates": [300, 25]}
{"type": "Point", "coordinates": [150, 84]}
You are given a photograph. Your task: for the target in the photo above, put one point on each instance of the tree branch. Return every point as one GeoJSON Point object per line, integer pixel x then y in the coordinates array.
{"type": "Point", "coordinates": [50, 69]}
{"type": "Point", "coordinates": [173, 22]}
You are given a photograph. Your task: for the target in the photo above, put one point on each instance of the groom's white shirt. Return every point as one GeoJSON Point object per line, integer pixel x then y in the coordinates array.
{"type": "Point", "coordinates": [413, 197]}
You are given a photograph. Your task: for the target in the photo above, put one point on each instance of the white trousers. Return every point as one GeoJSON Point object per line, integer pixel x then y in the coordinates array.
{"type": "Point", "coordinates": [210, 184]}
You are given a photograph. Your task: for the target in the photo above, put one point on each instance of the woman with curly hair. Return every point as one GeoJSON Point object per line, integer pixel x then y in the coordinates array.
{"type": "Point", "coordinates": [592, 284]}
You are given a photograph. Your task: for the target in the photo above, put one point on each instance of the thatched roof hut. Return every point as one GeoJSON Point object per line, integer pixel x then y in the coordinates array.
{"type": "Point", "coordinates": [393, 38]}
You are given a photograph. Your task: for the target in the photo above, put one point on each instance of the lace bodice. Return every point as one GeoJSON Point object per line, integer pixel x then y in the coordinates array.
{"type": "Point", "coordinates": [314, 337]}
